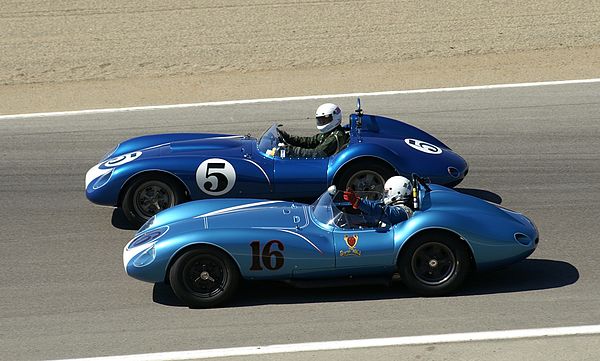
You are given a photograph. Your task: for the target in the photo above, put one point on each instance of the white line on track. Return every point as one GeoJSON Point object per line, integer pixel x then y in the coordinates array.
{"type": "Point", "coordinates": [352, 344]}
{"type": "Point", "coordinates": [307, 97]}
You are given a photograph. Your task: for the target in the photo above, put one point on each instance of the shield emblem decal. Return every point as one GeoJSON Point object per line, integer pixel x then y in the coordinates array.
{"type": "Point", "coordinates": [351, 241]}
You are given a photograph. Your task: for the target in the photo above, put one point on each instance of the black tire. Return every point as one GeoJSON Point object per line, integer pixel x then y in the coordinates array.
{"type": "Point", "coordinates": [148, 195]}
{"type": "Point", "coordinates": [434, 263]}
{"type": "Point", "coordinates": [357, 176]}
{"type": "Point", "coordinates": [204, 277]}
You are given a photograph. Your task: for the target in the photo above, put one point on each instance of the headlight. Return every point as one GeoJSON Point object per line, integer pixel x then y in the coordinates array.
{"type": "Point", "coordinates": [103, 179]}
{"type": "Point", "coordinates": [147, 237]}
{"type": "Point", "coordinates": [146, 225]}
{"type": "Point", "coordinates": [146, 257]}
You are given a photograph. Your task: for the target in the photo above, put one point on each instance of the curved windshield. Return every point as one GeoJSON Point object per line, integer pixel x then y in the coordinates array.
{"type": "Point", "coordinates": [332, 209]}
{"type": "Point", "coordinates": [269, 139]}
{"type": "Point", "coordinates": [323, 209]}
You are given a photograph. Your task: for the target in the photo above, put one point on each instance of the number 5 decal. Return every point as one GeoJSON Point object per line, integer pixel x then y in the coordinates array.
{"type": "Point", "coordinates": [215, 176]}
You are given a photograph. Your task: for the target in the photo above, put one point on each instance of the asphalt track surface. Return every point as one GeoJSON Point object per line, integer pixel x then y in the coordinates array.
{"type": "Point", "coordinates": [64, 293]}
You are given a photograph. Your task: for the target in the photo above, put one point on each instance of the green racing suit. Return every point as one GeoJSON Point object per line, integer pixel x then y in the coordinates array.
{"type": "Point", "coordinates": [318, 146]}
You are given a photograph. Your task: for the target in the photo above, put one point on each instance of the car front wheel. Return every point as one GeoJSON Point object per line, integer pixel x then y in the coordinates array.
{"type": "Point", "coordinates": [147, 196]}
{"type": "Point", "coordinates": [204, 277]}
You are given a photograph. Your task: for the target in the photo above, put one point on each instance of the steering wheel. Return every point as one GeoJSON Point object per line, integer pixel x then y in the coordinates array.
{"type": "Point", "coordinates": [280, 139]}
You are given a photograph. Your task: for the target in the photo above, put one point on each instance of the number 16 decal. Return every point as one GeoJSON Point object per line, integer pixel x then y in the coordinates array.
{"type": "Point", "coordinates": [215, 176]}
{"type": "Point", "coordinates": [267, 256]}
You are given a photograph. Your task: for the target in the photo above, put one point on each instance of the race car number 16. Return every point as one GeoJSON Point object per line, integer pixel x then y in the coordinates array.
{"type": "Point", "coordinates": [215, 176]}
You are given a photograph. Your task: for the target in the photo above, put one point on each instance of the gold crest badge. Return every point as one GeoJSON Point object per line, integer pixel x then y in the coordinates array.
{"type": "Point", "coordinates": [351, 242]}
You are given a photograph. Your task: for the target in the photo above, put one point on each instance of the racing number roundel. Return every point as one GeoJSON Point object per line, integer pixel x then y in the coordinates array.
{"type": "Point", "coordinates": [215, 176]}
{"type": "Point", "coordinates": [123, 159]}
{"type": "Point", "coordinates": [422, 146]}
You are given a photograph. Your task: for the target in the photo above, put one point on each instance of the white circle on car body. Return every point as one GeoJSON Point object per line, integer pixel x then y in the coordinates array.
{"type": "Point", "coordinates": [215, 176]}
{"type": "Point", "coordinates": [123, 159]}
{"type": "Point", "coordinates": [423, 146]}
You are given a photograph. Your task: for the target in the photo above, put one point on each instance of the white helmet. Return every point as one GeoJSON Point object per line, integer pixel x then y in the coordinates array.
{"type": "Point", "coordinates": [328, 116]}
{"type": "Point", "coordinates": [396, 189]}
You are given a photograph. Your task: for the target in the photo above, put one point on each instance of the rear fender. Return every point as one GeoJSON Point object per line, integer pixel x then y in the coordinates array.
{"type": "Point", "coordinates": [364, 152]}
{"type": "Point", "coordinates": [485, 235]}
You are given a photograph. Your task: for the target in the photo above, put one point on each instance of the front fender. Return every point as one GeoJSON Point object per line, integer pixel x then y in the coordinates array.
{"type": "Point", "coordinates": [254, 252]}
{"type": "Point", "coordinates": [108, 193]}
{"type": "Point", "coordinates": [199, 208]}
{"type": "Point", "coordinates": [155, 140]}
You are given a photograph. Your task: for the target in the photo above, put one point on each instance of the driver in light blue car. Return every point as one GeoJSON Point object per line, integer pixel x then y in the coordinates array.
{"type": "Point", "coordinates": [331, 140]}
{"type": "Point", "coordinates": [394, 208]}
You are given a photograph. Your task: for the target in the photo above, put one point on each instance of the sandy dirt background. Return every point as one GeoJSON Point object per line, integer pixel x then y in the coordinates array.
{"type": "Point", "coordinates": [79, 54]}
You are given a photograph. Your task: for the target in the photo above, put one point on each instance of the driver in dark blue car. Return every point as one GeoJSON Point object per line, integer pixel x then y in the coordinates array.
{"type": "Point", "coordinates": [330, 140]}
{"type": "Point", "coordinates": [394, 209]}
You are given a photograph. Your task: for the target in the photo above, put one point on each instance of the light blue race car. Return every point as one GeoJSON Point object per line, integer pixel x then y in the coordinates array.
{"type": "Point", "coordinates": [203, 249]}
{"type": "Point", "coordinates": [147, 174]}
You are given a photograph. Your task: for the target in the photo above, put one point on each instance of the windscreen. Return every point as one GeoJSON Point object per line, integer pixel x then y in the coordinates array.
{"type": "Point", "coordinates": [332, 209]}
{"type": "Point", "coordinates": [269, 139]}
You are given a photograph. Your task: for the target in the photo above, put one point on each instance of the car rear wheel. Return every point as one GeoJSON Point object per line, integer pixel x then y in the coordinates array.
{"type": "Point", "coordinates": [204, 277]}
{"type": "Point", "coordinates": [147, 196]}
{"type": "Point", "coordinates": [434, 264]}
{"type": "Point", "coordinates": [365, 176]}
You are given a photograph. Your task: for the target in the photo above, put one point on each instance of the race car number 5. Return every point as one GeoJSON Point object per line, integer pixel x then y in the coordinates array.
{"type": "Point", "coordinates": [422, 146]}
{"type": "Point", "coordinates": [215, 176]}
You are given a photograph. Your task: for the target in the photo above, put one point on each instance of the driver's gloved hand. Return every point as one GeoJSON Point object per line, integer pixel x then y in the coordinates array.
{"type": "Point", "coordinates": [351, 197]}
{"type": "Point", "coordinates": [283, 134]}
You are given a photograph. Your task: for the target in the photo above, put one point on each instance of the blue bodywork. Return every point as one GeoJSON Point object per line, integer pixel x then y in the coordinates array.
{"type": "Point", "coordinates": [204, 163]}
{"type": "Point", "coordinates": [312, 240]}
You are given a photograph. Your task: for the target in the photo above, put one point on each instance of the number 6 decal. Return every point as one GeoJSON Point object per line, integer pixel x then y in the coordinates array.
{"type": "Point", "coordinates": [215, 176]}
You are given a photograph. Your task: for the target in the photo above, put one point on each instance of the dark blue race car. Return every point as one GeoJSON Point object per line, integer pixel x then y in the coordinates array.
{"type": "Point", "coordinates": [204, 248]}
{"type": "Point", "coordinates": [147, 174]}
